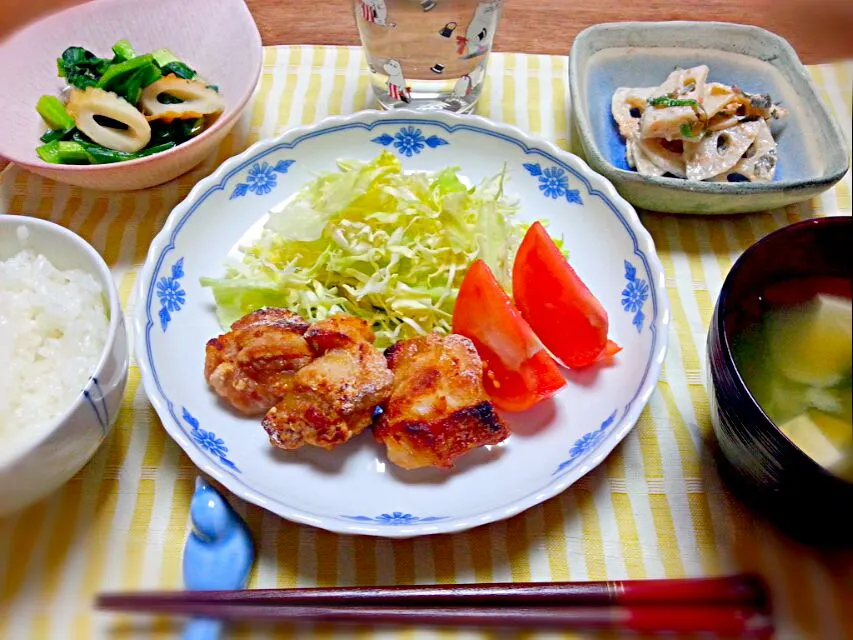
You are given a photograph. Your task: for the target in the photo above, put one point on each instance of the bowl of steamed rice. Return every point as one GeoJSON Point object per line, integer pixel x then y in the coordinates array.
{"type": "Point", "coordinates": [64, 355]}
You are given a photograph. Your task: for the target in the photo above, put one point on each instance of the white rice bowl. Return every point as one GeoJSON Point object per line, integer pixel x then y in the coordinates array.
{"type": "Point", "coordinates": [53, 329]}
{"type": "Point", "coordinates": [64, 357]}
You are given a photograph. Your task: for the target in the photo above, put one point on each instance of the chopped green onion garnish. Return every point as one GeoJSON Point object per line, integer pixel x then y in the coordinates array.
{"type": "Point", "coordinates": [663, 101]}
{"type": "Point", "coordinates": [687, 130]}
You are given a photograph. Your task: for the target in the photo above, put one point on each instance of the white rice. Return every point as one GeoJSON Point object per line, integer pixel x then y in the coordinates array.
{"type": "Point", "coordinates": [53, 327]}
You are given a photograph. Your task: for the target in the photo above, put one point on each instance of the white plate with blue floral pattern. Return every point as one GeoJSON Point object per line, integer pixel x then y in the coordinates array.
{"type": "Point", "coordinates": [354, 489]}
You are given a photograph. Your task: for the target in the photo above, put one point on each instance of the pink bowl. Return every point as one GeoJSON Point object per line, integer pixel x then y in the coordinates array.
{"type": "Point", "coordinates": [218, 38]}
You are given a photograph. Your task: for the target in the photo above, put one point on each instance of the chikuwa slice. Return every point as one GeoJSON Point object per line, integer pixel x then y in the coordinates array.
{"type": "Point", "coordinates": [85, 106]}
{"type": "Point", "coordinates": [198, 99]}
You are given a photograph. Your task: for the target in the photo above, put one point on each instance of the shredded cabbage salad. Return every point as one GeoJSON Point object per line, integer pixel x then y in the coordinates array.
{"type": "Point", "coordinates": [377, 243]}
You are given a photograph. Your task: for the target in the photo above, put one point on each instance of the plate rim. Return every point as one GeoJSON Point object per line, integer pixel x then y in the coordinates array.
{"type": "Point", "coordinates": [626, 421]}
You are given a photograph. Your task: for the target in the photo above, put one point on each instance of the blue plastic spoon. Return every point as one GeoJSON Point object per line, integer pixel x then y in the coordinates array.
{"type": "Point", "coordinates": [219, 553]}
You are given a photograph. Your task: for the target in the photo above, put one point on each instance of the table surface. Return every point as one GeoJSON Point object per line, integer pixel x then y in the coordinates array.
{"type": "Point", "coordinates": [650, 511]}
{"type": "Point", "coordinates": [655, 508]}
{"type": "Point", "coordinates": [544, 26]}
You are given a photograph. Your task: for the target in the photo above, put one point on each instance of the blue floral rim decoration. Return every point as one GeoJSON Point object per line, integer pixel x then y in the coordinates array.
{"type": "Point", "coordinates": [409, 141]}
{"type": "Point", "coordinates": [208, 441]}
{"type": "Point", "coordinates": [585, 443]}
{"type": "Point", "coordinates": [261, 179]}
{"type": "Point", "coordinates": [171, 294]}
{"type": "Point", "coordinates": [99, 404]}
{"type": "Point", "coordinates": [161, 262]}
{"type": "Point", "coordinates": [634, 296]}
{"type": "Point", "coordinates": [395, 519]}
{"type": "Point", "coordinates": [554, 182]}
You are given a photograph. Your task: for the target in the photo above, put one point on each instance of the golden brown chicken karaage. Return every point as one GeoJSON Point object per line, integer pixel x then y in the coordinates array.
{"type": "Point", "coordinates": [321, 384]}
{"type": "Point", "coordinates": [438, 409]}
{"type": "Point", "coordinates": [252, 365]}
{"type": "Point", "coordinates": [334, 397]}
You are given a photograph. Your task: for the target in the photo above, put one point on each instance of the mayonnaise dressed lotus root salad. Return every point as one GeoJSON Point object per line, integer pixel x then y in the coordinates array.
{"type": "Point", "coordinates": [691, 128]}
{"type": "Point", "coordinates": [53, 328]}
{"type": "Point", "coordinates": [125, 107]}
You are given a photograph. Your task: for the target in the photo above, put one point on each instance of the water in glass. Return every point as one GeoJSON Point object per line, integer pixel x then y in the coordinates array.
{"type": "Point", "coordinates": [427, 54]}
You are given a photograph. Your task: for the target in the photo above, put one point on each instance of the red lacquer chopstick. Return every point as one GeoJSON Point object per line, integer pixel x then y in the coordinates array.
{"type": "Point", "coordinates": [744, 590]}
{"type": "Point", "coordinates": [728, 621]}
{"type": "Point", "coordinates": [730, 606]}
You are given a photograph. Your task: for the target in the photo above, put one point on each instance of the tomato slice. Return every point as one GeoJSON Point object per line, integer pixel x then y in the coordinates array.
{"type": "Point", "coordinates": [557, 305]}
{"type": "Point", "coordinates": [519, 373]}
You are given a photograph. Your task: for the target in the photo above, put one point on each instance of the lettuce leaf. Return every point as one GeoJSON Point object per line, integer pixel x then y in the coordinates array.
{"type": "Point", "coordinates": [372, 241]}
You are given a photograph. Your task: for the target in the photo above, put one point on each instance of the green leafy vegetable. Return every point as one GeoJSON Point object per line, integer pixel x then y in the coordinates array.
{"type": "Point", "coordinates": [167, 98]}
{"type": "Point", "coordinates": [663, 101]}
{"type": "Point", "coordinates": [126, 75]}
{"type": "Point", "coordinates": [177, 131]}
{"type": "Point", "coordinates": [179, 69]}
{"type": "Point", "coordinates": [169, 63]}
{"type": "Point", "coordinates": [53, 112]}
{"type": "Point", "coordinates": [118, 74]}
{"type": "Point", "coordinates": [81, 150]}
{"type": "Point", "coordinates": [123, 51]}
{"type": "Point", "coordinates": [131, 88]}
{"type": "Point", "coordinates": [163, 57]}
{"type": "Point", "coordinates": [374, 242]}
{"type": "Point", "coordinates": [63, 152]}
{"type": "Point", "coordinates": [81, 68]}
{"type": "Point", "coordinates": [101, 155]}
{"type": "Point", "coordinates": [130, 85]}
{"type": "Point", "coordinates": [687, 130]}
{"type": "Point", "coordinates": [55, 134]}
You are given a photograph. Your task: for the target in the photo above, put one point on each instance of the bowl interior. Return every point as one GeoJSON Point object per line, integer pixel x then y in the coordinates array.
{"type": "Point", "coordinates": [814, 248]}
{"type": "Point", "coordinates": [64, 249]}
{"type": "Point", "coordinates": [641, 55]}
{"type": "Point", "coordinates": [218, 38]}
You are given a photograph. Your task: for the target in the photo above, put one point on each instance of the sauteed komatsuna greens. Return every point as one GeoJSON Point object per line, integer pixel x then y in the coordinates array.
{"type": "Point", "coordinates": [125, 107]}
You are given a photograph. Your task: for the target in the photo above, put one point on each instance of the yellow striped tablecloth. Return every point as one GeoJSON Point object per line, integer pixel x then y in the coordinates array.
{"type": "Point", "coordinates": [655, 508]}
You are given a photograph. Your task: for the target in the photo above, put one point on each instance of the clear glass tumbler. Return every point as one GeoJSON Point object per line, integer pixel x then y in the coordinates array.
{"type": "Point", "coordinates": [427, 54]}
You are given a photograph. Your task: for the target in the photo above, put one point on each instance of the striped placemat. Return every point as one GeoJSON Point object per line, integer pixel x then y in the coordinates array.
{"type": "Point", "coordinates": [656, 508]}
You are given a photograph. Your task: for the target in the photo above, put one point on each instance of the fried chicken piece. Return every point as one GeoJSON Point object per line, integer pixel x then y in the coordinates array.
{"type": "Point", "coordinates": [438, 409]}
{"type": "Point", "coordinates": [337, 332]}
{"type": "Point", "coordinates": [252, 365]}
{"type": "Point", "coordinates": [333, 398]}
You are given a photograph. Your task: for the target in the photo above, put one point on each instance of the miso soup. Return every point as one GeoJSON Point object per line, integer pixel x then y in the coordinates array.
{"type": "Point", "coordinates": [797, 361]}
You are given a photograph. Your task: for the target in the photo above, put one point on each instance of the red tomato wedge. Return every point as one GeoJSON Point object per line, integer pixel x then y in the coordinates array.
{"type": "Point", "coordinates": [519, 373]}
{"type": "Point", "coordinates": [557, 305]}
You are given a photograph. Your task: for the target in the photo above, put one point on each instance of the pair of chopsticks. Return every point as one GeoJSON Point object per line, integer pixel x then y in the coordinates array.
{"type": "Point", "coordinates": [735, 606]}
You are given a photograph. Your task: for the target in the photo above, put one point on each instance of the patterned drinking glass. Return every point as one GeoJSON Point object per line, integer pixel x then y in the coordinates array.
{"type": "Point", "coordinates": [427, 54]}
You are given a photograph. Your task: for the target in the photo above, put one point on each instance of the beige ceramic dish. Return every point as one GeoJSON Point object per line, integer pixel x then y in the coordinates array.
{"type": "Point", "coordinates": [217, 37]}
